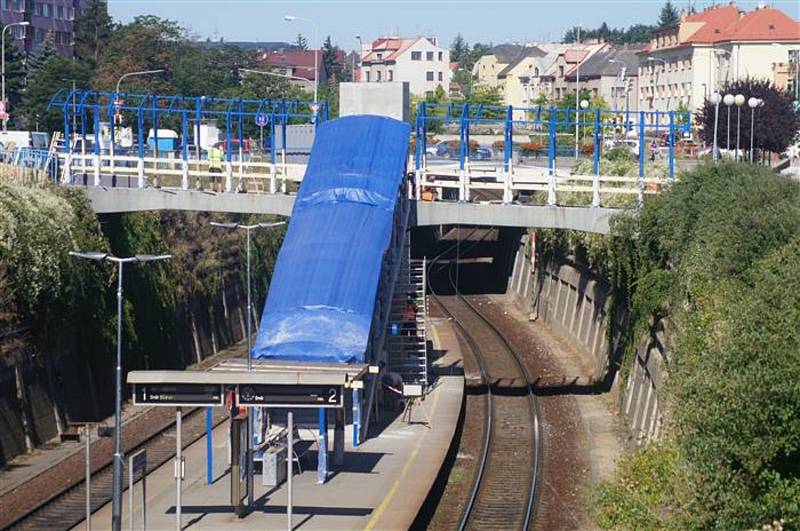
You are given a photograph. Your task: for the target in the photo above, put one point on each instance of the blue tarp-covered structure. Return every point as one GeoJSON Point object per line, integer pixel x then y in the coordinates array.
{"type": "Point", "coordinates": [323, 290]}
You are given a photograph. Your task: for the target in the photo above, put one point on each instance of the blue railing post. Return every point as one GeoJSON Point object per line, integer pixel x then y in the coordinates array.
{"type": "Point", "coordinates": [209, 447]}
{"type": "Point", "coordinates": [96, 144]}
{"type": "Point", "coordinates": [272, 136]}
{"type": "Point", "coordinates": [658, 120]}
{"type": "Point", "coordinates": [642, 144]}
{"type": "Point", "coordinates": [597, 141]}
{"type": "Point", "coordinates": [671, 144]}
{"type": "Point", "coordinates": [508, 135]}
{"type": "Point", "coordinates": [185, 150]}
{"type": "Point", "coordinates": [463, 136]}
{"type": "Point", "coordinates": [418, 132]}
{"type": "Point", "coordinates": [551, 152]}
{"type": "Point", "coordinates": [140, 138]}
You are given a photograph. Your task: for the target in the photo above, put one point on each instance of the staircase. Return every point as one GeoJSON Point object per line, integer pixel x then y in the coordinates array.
{"type": "Point", "coordinates": [407, 349]}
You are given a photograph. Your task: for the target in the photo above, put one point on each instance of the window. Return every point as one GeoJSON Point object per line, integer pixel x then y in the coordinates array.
{"type": "Point", "coordinates": [561, 71]}
{"type": "Point", "coordinates": [441, 78]}
{"type": "Point", "coordinates": [441, 56]}
{"type": "Point", "coordinates": [416, 56]}
{"type": "Point", "coordinates": [60, 12]}
{"type": "Point", "coordinates": [429, 76]}
{"type": "Point", "coordinates": [19, 6]}
{"type": "Point", "coordinates": [380, 56]}
{"type": "Point", "coordinates": [391, 75]}
{"type": "Point", "coordinates": [71, 13]}
{"type": "Point", "coordinates": [367, 76]}
{"type": "Point", "coordinates": [429, 56]}
{"type": "Point", "coordinates": [37, 8]}
{"type": "Point", "coordinates": [378, 76]}
{"type": "Point", "coordinates": [4, 5]}
{"type": "Point", "coordinates": [46, 10]}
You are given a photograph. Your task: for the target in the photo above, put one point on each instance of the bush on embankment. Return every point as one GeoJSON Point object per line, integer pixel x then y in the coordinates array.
{"type": "Point", "coordinates": [719, 255]}
{"type": "Point", "coordinates": [69, 304]}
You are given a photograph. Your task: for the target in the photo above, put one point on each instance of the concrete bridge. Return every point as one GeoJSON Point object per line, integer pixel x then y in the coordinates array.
{"type": "Point", "coordinates": [106, 200]}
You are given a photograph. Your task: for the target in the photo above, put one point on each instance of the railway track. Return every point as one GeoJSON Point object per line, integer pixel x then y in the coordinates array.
{"type": "Point", "coordinates": [503, 493]}
{"type": "Point", "coordinates": [67, 508]}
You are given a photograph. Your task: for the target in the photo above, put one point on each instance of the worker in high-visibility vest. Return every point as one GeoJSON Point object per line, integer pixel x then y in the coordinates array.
{"type": "Point", "coordinates": [215, 157]}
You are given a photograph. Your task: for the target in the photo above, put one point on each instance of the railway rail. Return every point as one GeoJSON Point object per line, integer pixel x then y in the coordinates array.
{"type": "Point", "coordinates": [66, 507]}
{"type": "Point", "coordinates": [504, 489]}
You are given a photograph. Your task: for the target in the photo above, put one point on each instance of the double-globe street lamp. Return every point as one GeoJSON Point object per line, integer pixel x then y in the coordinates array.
{"type": "Point", "coordinates": [116, 505]}
{"type": "Point", "coordinates": [715, 99]}
{"type": "Point", "coordinates": [728, 100]}
{"type": "Point", "coordinates": [248, 229]}
{"type": "Point", "coordinates": [753, 103]}
{"type": "Point", "coordinates": [739, 101]}
{"type": "Point", "coordinates": [291, 18]}
{"type": "Point", "coordinates": [3, 67]}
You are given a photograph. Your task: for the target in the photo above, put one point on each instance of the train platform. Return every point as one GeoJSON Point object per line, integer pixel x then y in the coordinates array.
{"type": "Point", "coordinates": [381, 485]}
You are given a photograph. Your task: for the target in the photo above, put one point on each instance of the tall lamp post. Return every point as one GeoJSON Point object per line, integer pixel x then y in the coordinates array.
{"type": "Point", "coordinates": [360, 51]}
{"type": "Point", "coordinates": [117, 104]}
{"type": "Point", "coordinates": [715, 99]}
{"type": "Point", "coordinates": [3, 68]}
{"type": "Point", "coordinates": [291, 18]}
{"type": "Point", "coordinates": [248, 229]}
{"type": "Point", "coordinates": [753, 103]}
{"type": "Point", "coordinates": [739, 100]}
{"type": "Point", "coordinates": [116, 504]}
{"type": "Point", "coordinates": [728, 100]}
{"type": "Point", "coordinates": [577, 92]}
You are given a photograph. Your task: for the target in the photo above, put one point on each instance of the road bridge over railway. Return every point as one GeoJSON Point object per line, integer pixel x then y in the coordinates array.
{"type": "Point", "coordinates": [507, 183]}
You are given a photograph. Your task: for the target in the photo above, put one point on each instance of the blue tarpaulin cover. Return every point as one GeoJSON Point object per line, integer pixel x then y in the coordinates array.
{"type": "Point", "coordinates": [323, 290]}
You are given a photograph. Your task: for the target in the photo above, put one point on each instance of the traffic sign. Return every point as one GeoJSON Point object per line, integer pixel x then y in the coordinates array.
{"type": "Point", "coordinates": [314, 108]}
{"type": "Point", "coordinates": [290, 396]}
{"type": "Point", "coordinates": [3, 105]}
{"type": "Point", "coordinates": [262, 119]}
{"type": "Point", "coordinates": [177, 394]}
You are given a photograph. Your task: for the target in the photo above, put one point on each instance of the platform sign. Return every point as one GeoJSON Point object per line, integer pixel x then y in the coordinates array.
{"type": "Point", "coordinates": [290, 396]}
{"type": "Point", "coordinates": [161, 394]}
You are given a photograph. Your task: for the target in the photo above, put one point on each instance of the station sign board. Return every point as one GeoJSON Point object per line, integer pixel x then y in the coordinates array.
{"type": "Point", "coordinates": [182, 394]}
{"type": "Point", "coordinates": [290, 396]}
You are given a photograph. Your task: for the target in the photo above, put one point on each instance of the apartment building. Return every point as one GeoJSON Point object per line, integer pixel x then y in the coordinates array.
{"type": "Point", "coordinates": [43, 17]}
{"type": "Point", "coordinates": [299, 66]}
{"type": "Point", "coordinates": [488, 66]}
{"type": "Point", "coordinates": [684, 63]}
{"type": "Point", "coordinates": [417, 60]}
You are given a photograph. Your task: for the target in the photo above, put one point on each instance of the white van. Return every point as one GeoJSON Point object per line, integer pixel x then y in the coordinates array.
{"type": "Point", "coordinates": [24, 139]}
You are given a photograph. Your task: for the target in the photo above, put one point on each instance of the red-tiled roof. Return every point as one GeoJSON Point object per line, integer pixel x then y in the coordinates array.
{"type": "Point", "coordinates": [727, 23]}
{"type": "Point", "coordinates": [715, 21]}
{"type": "Point", "coordinates": [765, 24]}
{"type": "Point", "coordinates": [390, 47]}
{"type": "Point", "coordinates": [300, 61]}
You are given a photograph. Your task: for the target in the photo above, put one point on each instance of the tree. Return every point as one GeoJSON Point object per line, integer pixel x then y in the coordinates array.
{"type": "Point", "coordinates": [459, 49]}
{"type": "Point", "coordinates": [38, 58]}
{"type": "Point", "coordinates": [775, 124]}
{"type": "Point", "coordinates": [57, 72]}
{"type": "Point", "coordinates": [92, 31]}
{"type": "Point", "coordinates": [669, 15]}
{"type": "Point", "coordinates": [330, 59]}
{"type": "Point", "coordinates": [301, 42]}
{"type": "Point", "coordinates": [15, 77]}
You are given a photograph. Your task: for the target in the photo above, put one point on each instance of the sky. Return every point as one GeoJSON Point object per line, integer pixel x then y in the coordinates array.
{"type": "Point", "coordinates": [494, 21]}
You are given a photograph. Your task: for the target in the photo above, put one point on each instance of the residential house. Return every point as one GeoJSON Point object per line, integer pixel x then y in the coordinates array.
{"type": "Point", "coordinates": [514, 77]}
{"type": "Point", "coordinates": [611, 74]}
{"type": "Point", "coordinates": [488, 66]}
{"type": "Point", "coordinates": [416, 60]}
{"type": "Point", "coordinates": [299, 64]}
{"type": "Point", "coordinates": [683, 64]}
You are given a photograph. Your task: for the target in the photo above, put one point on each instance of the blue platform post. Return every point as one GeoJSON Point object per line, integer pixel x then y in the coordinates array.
{"type": "Point", "coordinates": [671, 144]}
{"type": "Point", "coordinates": [198, 118]}
{"type": "Point", "coordinates": [322, 455]}
{"type": "Point", "coordinates": [140, 147]}
{"type": "Point", "coordinates": [228, 150]}
{"type": "Point", "coordinates": [418, 130]}
{"type": "Point", "coordinates": [96, 144]}
{"type": "Point", "coordinates": [356, 417]}
{"type": "Point", "coordinates": [209, 448]}
{"type": "Point", "coordinates": [272, 136]}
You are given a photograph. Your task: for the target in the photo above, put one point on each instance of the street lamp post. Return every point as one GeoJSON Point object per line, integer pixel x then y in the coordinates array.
{"type": "Point", "coordinates": [116, 505]}
{"type": "Point", "coordinates": [753, 103]}
{"type": "Point", "coordinates": [715, 99]}
{"type": "Point", "coordinates": [739, 101]}
{"type": "Point", "coordinates": [248, 229]}
{"type": "Point", "coordinates": [577, 92]}
{"type": "Point", "coordinates": [290, 18]}
{"type": "Point", "coordinates": [3, 68]}
{"type": "Point", "coordinates": [360, 48]}
{"type": "Point", "coordinates": [728, 101]}
{"type": "Point", "coordinates": [117, 105]}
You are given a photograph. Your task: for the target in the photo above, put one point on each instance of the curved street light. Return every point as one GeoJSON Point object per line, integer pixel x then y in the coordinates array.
{"type": "Point", "coordinates": [715, 99]}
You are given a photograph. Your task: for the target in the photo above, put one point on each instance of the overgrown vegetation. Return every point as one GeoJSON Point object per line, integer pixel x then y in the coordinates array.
{"type": "Point", "coordinates": [719, 256]}
{"type": "Point", "coordinates": [68, 302]}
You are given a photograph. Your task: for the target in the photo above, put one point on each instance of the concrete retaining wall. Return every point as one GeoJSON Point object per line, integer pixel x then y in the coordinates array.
{"type": "Point", "coordinates": [576, 303]}
{"type": "Point", "coordinates": [40, 392]}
